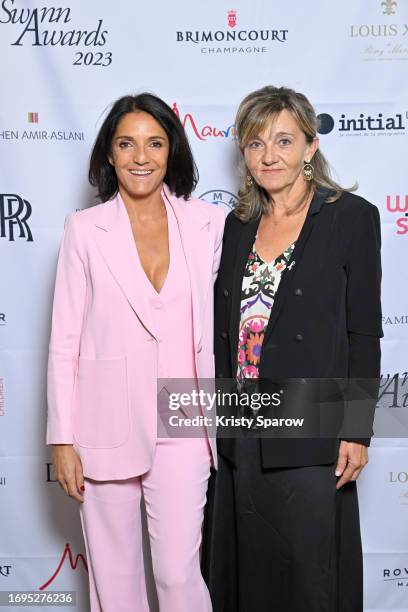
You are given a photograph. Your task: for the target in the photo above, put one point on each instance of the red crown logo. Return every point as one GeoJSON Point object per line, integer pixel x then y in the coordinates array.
{"type": "Point", "coordinates": [232, 19]}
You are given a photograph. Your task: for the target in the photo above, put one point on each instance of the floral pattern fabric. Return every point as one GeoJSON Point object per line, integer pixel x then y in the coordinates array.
{"type": "Point", "coordinates": [259, 286]}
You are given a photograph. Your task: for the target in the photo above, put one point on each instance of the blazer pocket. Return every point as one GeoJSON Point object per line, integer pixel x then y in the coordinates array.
{"type": "Point", "coordinates": [101, 403]}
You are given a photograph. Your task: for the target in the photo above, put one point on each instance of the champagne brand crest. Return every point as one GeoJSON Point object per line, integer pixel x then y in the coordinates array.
{"type": "Point", "coordinates": [232, 19]}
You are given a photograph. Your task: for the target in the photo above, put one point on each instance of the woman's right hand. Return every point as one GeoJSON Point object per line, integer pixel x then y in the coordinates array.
{"type": "Point", "coordinates": [68, 470]}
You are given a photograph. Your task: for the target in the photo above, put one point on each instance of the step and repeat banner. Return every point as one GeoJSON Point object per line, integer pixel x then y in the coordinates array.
{"type": "Point", "coordinates": [63, 62]}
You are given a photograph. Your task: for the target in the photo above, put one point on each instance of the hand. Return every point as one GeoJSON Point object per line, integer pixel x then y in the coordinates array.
{"type": "Point", "coordinates": [352, 459]}
{"type": "Point", "coordinates": [68, 470]}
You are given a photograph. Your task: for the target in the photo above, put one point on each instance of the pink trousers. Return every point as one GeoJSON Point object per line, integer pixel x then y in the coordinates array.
{"type": "Point", "coordinates": [174, 491]}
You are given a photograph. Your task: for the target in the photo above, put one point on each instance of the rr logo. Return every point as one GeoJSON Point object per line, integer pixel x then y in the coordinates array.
{"type": "Point", "coordinates": [14, 212]}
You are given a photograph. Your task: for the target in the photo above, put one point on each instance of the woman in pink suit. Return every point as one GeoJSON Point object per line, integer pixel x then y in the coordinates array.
{"type": "Point", "coordinates": [134, 303]}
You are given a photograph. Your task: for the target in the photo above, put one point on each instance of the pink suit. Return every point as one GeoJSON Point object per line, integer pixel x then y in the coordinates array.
{"type": "Point", "coordinates": [112, 336]}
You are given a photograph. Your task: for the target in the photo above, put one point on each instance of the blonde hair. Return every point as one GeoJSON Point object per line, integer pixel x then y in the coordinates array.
{"type": "Point", "coordinates": [256, 110]}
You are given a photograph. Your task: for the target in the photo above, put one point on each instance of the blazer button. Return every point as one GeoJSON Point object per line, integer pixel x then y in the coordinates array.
{"type": "Point", "coordinates": [226, 292]}
{"type": "Point", "coordinates": [224, 335]}
{"type": "Point", "coordinates": [220, 375]}
{"type": "Point", "coordinates": [298, 292]}
{"type": "Point", "coordinates": [299, 337]}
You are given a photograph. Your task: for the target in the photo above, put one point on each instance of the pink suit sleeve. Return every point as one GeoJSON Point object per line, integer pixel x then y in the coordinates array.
{"type": "Point", "coordinates": [67, 318]}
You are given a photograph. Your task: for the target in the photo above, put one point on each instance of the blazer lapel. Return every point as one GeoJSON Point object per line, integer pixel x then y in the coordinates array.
{"type": "Point", "coordinates": [245, 240]}
{"type": "Point", "coordinates": [193, 226]}
{"type": "Point", "coordinates": [114, 238]}
{"type": "Point", "coordinates": [289, 273]}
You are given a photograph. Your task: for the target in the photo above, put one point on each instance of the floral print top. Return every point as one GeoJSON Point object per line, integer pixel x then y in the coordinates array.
{"type": "Point", "coordinates": [259, 286]}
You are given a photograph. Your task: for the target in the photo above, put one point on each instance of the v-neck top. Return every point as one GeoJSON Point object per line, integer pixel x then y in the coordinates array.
{"type": "Point", "coordinates": [259, 286]}
{"type": "Point", "coordinates": [172, 311]}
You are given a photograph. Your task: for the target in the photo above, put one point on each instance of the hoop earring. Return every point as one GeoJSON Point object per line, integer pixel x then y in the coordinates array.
{"type": "Point", "coordinates": [308, 171]}
{"type": "Point", "coordinates": [249, 181]}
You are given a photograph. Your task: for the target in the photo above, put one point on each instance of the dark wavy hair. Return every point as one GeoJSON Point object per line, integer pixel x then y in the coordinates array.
{"type": "Point", "coordinates": [181, 176]}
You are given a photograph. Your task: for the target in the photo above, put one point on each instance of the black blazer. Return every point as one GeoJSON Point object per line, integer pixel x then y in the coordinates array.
{"type": "Point", "coordinates": [326, 317]}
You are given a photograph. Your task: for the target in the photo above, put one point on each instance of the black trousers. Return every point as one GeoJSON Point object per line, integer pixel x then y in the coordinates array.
{"type": "Point", "coordinates": [281, 540]}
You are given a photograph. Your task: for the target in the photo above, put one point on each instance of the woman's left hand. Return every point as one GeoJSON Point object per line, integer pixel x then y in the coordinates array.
{"type": "Point", "coordinates": [352, 459]}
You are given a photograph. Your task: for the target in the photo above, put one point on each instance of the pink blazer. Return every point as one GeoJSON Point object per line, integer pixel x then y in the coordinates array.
{"type": "Point", "coordinates": [100, 398]}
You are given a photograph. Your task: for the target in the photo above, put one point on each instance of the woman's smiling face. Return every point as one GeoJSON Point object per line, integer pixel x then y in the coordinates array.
{"type": "Point", "coordinates": [139, 154]}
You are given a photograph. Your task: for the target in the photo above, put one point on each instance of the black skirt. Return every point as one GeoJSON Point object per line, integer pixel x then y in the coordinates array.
{"type": "Point", "coordinates": [281, 540]}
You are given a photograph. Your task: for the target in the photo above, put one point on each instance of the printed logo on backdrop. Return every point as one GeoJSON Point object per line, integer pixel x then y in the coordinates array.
{"type": "Point", "coordinates": [221, 198]}
{"type": "Point", "coordinates": [232, 19]}
{"type": "Point", "coordinates": [397, 206]}
{"type": "Point", "coordinates": [56, 26]}
{"type": "Point", "coordinates": [386, 38]}
{"type": "Point", "coordinates": [392, 406]}
{"type": "Point", "coordinates": [233, 36]}
{"type": "Point", "coordinates": [2, 481]}
{"type": "Point", "coordinates": [399, 481]}
{"type": "Point", "coordinates": [389, 7]}
{"type": "Point", "coordinates": [393, 391]}
{"type": "Point", "coordinates": [398, 576]}
{"type": "Point", "coordinates": [50, 474]}
{"type": "Point", "coordinates": [5, 570]}
{"type": "Point", "coordinates": [401, 319]}
{"type": "Point", "coordinates": [40, 134]}
{"type": "Point", "coordinates": [2, 318]}
{"type": "Point", "coordinates": [14, 214]}
{"type": "Point", "coordinates": [363, 124]}
{"type": "Point", "coordinates": [67, 559]}
{"type": "Point", "coordinates": [200, 131]}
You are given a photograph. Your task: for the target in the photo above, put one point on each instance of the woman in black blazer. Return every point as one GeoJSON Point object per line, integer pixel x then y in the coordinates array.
{"type": "Point", "coordinates": [297, 311]}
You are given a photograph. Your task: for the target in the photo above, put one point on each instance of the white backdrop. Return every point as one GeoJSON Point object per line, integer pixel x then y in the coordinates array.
{"type": "Point", "coordinates": [62, 64]}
